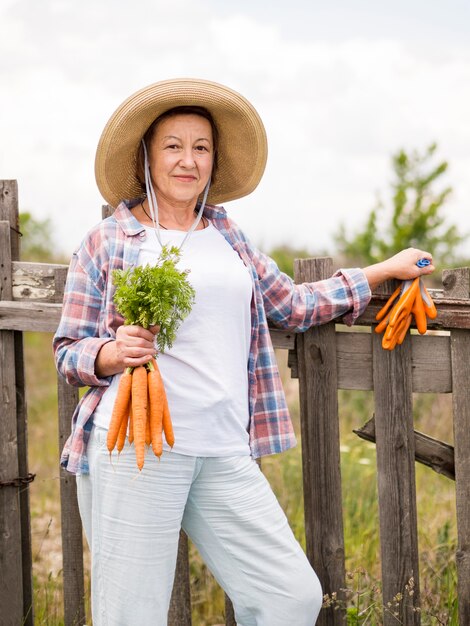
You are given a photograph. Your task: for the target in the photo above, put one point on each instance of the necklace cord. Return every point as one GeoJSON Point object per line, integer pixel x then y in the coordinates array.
{"type": "Point", "coordinates": [204, 219]}
{"type": "Point", "coordinates": [153, 206]}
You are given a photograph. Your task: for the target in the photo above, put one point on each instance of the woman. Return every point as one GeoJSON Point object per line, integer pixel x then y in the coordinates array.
{"type": "Point", "coordinates": [177, 149]}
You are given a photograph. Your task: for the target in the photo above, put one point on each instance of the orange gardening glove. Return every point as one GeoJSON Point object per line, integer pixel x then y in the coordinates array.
{"type": "Point", "coordinates": [414, 300]}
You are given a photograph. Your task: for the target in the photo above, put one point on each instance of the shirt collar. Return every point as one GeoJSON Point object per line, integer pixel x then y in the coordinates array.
{"type": "Point", "coordinates": [126, 220]}
{"type": "Point", "coordinates": [214, 212]}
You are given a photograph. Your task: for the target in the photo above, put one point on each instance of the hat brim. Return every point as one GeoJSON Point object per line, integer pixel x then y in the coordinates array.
{"type": "Point", "coordinates": [242, 149]}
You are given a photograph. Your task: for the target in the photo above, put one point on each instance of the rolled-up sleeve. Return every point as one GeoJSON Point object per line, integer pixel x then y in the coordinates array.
{"type": "Point", "coordinates": [77, 342]}
{"type": "Point", "coordinates": [299, 306]}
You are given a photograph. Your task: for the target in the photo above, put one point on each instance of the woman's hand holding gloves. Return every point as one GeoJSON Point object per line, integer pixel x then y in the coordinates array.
{"type": "Point", "coordinates": [401, 266]}
{"type": "Point", "coordinates": [409, 300]}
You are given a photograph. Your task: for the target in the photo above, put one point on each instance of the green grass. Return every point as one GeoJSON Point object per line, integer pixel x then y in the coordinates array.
{"type": "Point", "coordinates": [435, 504]}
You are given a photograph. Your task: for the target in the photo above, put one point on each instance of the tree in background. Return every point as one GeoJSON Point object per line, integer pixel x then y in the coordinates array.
{"type": "Point", "coordinates": [36, 242]}
{"type": "Point", "coordinates": [416, 219]}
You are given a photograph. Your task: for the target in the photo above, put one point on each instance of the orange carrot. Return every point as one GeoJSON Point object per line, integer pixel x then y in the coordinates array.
{"type": "Point", "coordinates": [120, 408]}
{"type": "Point", "coordinates": [121, 440]}
{"type": "Point", "coordinates": [147, 422]}
{"type": "Point", "coordinates": [167, 425]}
{"type": "Point", "coordinates": [131, 424]}
{"type": "Point", "coordinates": [139, 412]}
{"type": "Point", "coordinates": [156, 393]}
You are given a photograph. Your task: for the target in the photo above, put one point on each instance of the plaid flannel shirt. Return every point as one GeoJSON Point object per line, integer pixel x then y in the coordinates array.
{"type": "Point", "coordinates": [89, 320]}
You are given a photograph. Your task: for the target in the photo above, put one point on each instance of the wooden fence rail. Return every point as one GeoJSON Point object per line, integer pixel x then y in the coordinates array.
{"type": "Point", "coordinates": [324, 359]}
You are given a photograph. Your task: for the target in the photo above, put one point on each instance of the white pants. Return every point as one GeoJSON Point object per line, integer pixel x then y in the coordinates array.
{"type": "Point", "coordinates": [226, 507]}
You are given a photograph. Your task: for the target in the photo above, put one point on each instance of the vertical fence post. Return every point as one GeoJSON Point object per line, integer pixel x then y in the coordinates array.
{"type": "Point", "coordinates": [71, 526]}
{"type": "Point", "coordinates": [229, 612]}
{"type": "Point", "coordinates": [11, 589]}
{"type": "Point", "coordinates": [460, 351]}
{"type": "Point", "coordinates": [316, 350]}
{"type": "Point", "coordinates": [457, 285]}
{"type": "Point", "coordinates": [10, 246]}
{"type": "Point", "coordinates": [396, 479]}
{"type": "Point", "coordinates": [180, 605]}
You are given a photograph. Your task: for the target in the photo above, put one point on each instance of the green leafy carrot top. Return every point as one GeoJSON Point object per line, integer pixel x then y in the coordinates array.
{"type": "Point", "coordinates": [159, 294]}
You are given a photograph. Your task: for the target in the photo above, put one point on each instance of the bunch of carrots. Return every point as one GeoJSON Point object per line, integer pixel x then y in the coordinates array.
{"type": "Point", "coordinates": [146, 296]}
{"type": "Point", "coordinates": [413, 301]}
{"type": "Point", "coordinates": [141, 408]}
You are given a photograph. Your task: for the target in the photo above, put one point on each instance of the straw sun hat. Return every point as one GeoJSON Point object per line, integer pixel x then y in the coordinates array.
{"type": "Point", "coordinates": [242, 149]}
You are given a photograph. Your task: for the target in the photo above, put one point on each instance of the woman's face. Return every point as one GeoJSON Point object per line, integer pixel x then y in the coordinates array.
{"type": "Point", "coordinates": [181, 155]}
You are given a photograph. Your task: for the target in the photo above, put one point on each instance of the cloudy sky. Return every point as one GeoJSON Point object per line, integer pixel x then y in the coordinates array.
{"type": "Point", "coordinates": [340, 86]}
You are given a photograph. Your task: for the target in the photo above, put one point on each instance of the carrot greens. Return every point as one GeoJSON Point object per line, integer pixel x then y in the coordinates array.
{"type": "Point", "coordinates": [159, 294]}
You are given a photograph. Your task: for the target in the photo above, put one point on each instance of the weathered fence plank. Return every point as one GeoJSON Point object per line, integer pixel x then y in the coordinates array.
{"type": "Point", "coordinates": [460, 346]}
{"type": "Point", "coordinates": [282, 339]}
{"type": "Point", "coordinates": [9, 212]}
{"type": "Point", "coordinates": [354, 360]}
{"type": "Point", "coordinates": [71, 526]}
{"type": "Point", "coordinates": [30, 316]}
{"type": "Point", "coordinates": [457, 282]}
{"type": "Point", "coordinates": [430, 362]}
{"type": "Point", "coordinates": [23, 469]}
{"type": "Point", "coordinates": [229, 612]}
{"type": "Point", "coordinates": [60, 277]}
{"type": "Point", "coordinates": [180, 605]}
{"type": "Point", "coordinates": [316, 351]}
{"type": "Point", "coordinates": [37, 281]}
{"type": "Point", "coordinates": [396, 479]}
{"type": "Point", "coordinates": [11, 565]}
{"type": "Point", "coordinates": [435, 454]}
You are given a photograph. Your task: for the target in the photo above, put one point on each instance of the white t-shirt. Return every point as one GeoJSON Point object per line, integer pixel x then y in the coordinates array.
{"type": "Point", "coordinates": [206, 371]}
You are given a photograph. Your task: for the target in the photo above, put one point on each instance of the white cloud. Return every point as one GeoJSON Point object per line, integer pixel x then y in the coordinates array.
{"type": "Point", "coordinates": [334, 110]}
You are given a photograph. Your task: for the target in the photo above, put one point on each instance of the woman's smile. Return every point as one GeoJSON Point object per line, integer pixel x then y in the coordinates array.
{"type": "Point", "coordinates": [185, 178]}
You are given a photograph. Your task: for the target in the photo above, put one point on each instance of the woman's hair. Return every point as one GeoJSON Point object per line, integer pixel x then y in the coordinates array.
{"type": "Point", "coordinates": [150, 133]}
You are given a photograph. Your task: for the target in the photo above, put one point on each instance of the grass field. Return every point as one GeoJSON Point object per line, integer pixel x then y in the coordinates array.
{"type": "Point", "coordinates": [435, 501]}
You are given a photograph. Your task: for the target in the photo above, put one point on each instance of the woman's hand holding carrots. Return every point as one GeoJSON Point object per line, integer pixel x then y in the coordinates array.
{"type": "Point", "coordinates": [132, 347]}
{"type": "Point", "coordinates": [135, 345]}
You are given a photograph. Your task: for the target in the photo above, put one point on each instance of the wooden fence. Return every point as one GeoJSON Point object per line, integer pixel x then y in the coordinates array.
{"type": "Point", "coordinates": [324, 360]}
